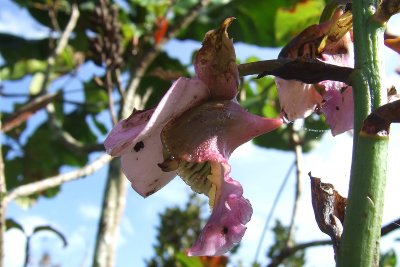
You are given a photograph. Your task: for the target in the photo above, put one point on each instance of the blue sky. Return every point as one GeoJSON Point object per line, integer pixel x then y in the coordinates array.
{"type": "Point", "coordinates": [76, 209]}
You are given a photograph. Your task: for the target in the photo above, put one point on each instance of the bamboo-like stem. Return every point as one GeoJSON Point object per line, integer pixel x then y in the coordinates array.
{"type": "Point", "coordinates": [360, 240]}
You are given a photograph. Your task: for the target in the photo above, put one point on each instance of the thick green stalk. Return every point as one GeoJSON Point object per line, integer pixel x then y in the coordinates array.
{"type": "Point", "coordinates": [360, 240]}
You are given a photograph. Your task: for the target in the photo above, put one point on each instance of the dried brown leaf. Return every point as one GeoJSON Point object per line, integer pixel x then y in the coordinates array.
{"type": "Point", "coordinates": [329, 209]}
{"type": "Point", "coordinates": [378, 122]}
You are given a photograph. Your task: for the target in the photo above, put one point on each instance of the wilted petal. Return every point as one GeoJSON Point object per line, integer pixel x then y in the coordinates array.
{"type": "Point", "coordinates": [140, 165]}
{"type": "Point", "coordinates": [338, 106]}
{"type": "Point", "coordinates": [226, 225]}
{"type": "Point", "coordinates": [215, 63]}
{"type": "Point", "coordinates": [211, 131]}
{"type": "Point", "coordinates": [297, 99]}
{"type": "Point", "coordinates": [184, 94]}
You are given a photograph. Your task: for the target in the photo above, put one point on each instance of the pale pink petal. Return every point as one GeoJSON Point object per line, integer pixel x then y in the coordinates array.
{"type": "Point", "coordinates": [297, 99]}
{"type": "Point", "coordinates": [184, 94]}
{"type": "Point", "coordinates": [126, 131]}
{"type": "Point", "coordinates": [211, 131]}
{"type": "Point", "coordinates": [338, 106]}
{"type": "Point", "coordinates": [226, 225]}
{"type": "Point", "coordinates": [140, 165]}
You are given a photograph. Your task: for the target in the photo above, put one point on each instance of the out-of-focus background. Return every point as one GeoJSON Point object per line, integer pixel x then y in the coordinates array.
{"type": "Point", "coordinates": [104, 55]}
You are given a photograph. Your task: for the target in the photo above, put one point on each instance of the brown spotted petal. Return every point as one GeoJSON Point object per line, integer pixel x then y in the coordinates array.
{"type": "Point", "coordinates": [215, 63]}
{"type": "Point", "coordinates": [137, 138]}
{"type": "Point", "coordinates": [329, 209]}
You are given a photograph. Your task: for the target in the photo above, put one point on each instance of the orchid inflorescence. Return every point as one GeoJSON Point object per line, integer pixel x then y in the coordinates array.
{"type": "Point", "coordinates": [198, 124]}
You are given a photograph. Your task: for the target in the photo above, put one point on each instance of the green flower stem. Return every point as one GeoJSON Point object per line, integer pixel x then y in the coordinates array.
{"type": "Point", "coordinates": [360, 240]}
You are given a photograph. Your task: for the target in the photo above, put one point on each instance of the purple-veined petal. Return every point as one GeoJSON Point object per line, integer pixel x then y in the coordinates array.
{"type": "Point", "coordinates": [140, 165]}
{"type": "Point", "coordinates": [226, 225]}
{"type": "Point", "coordinates": [184, 94]}
{"type": "Point", "coordinates": [297, 99]}
{"type": "Point", "coordinates": [211, 131]}
{"type": "Point", "coordinates": [215, 63]}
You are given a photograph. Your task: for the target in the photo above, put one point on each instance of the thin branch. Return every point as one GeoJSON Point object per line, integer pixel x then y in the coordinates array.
{"type": "Point", "coordinates": [109, 87]}
{"type": "Point", "coordinates": [298, 151]}
{"type": "Point", "coordinates": [36, 187]}
{"type": "Point", "coordinates": [305, 70]}
{"type": "Point", "coordinates": [67, 139]}
{"type": "Point", "coordinates": [271, 212]}
{"type": "Point", "coordinates": [145, 58]}
{"type": "Point", "coordinates": [62, 42]}
{"type": "Point", "coordinates": [395, 225]}
{"type": "Point", "coordinates": [27, 110]}
{"type": "Point", "coordinates": [289, 251]}
{"type": "Point", "coordinates": [117, 73]}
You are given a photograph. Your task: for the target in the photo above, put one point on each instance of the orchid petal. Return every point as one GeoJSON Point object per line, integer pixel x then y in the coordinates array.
{"type": "Point", "coordinates": [220, 127]}
{"type": "Point", "coordinates": [297, 99]}
{"type": "Point", "coordinates": [226, 225]}
{"type": "Point", "coordinates": [215, 63]}
{"type": "Point", "coordinates": [184, 94]}
{"type": "Point", "coordinates": [338, 107]}
{"type": "Point", "coordinates": [140, 166]}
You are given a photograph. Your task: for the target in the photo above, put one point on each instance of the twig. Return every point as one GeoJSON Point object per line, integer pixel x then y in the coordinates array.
{"type": "Point", "coordinates": [62, 42]}
{"type": "Point", "coordinates": [109, 87]}
{"type": "Point", "coordinates": [289, 251]}
{"type": "Point", "coordinates": [271, 212]}
{"type": "Point", "coordinates": [298, 155]}
{"type": "Point", "coordinates": [27, 110]}
{"type": "Point", "coordinates": [146, 57]}
{"type": "Point", "coordinates": [67, 139]}
{"type": "Point", "coordinates": [305, 70]}
{"type": "Point", "coordinates": [395, 225]}
{"type": "Point", "coordinates": [36, 187]}
{"type": "Point", "coordinates": [117, 73]}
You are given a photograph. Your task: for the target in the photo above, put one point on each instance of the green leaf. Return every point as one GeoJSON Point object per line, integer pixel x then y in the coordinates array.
{"type": "Point", "coordinates": [53, 230]}
{"type": "Point", "coordinates": [36, 83]}
{"type": "Point", "coordinates": [291, 21]}
{"type": "Point", "coordinates": [96, 97]}
{"type": "Point", "coordinates": [388, 259]}
{"type": "Point", "coordinates": [22, 68]}
{"type": "Point", "coordinates": [99, 125]}
{"type": "Point", "coordinates": [11, 223]}
{"type": "Point", "coordinates": [258, 22]}
{"type": "Point", "coordinates": [75, 123]}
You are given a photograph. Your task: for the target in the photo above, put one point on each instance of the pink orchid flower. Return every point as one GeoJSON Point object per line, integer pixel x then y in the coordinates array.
{"type": "Point", "coordinates": [334, 99]}
{"type": "Point", "coordinates": [191, 133]}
